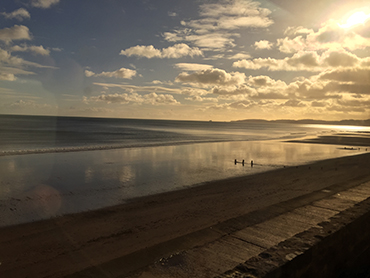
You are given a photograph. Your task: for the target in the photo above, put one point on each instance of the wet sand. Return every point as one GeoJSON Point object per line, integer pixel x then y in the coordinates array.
{"type": "Point", "coordinates": [348, 139]}
{"type": "Point", "coordinates": [66, 245]}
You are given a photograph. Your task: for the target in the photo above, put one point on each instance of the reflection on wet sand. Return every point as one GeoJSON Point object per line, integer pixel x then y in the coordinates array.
{"type": "Point", "coordinates": [42, 185]}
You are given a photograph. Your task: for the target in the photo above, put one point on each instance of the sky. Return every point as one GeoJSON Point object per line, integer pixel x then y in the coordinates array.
{"type": "Point", "coordinates": [217, 60]}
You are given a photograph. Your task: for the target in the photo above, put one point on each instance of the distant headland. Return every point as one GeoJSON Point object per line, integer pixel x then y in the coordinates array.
{"type": "Point", "coordinates": [311, 121]}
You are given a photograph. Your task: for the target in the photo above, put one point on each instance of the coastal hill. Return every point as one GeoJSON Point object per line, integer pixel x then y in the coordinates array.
{"type": "Point", "coordinates": [310, 121]}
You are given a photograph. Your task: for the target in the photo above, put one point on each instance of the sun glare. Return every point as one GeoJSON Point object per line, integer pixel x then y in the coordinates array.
{"type": "Point", "coordinates": [355, 19]}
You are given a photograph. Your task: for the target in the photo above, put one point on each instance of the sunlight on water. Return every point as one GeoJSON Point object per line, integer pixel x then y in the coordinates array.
{"type": "Point", "coordinates": [341, 128]}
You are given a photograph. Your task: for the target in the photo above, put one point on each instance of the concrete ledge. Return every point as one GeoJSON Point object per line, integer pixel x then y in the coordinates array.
{"type": "Point", "coordinates": [339, 247]}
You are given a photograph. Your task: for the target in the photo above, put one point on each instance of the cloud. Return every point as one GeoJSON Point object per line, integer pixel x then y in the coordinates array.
{"type": "Point", "coordinates": [319, 103]}
{"type": "Point", "coordinates": [120, 73]}
{"type": "Point", "coordinates": [19, 14]}
{"type": "Point", "coordinates": [294, 103]}
{"type": "Point", "coordinates": [202, 99]}
{"type": "Point", "coordinates": [194, 92]}
{"type": "Point", "coordinates": [305, 61]}
{"type": "Point", "coordinates": [44, 4]}
{"type": "Point", "coordinates": [239, 56]}
{"type": "Point", "coordinates": [7, 59]}
{"type": "Point", "coordinates": [142, 51]}
{"type": "Point", "coordinates": [17, 32]}
{"type": "Point", "coordinates": [14, 71]}
{"type": "Point", "coordinates": [192, 66]}
{"type": "Point", "coordinates": [231, 14]}
{"type": "Point", "coordinates": [340, 59]}
{"type": "Point", "coordinates": [89, 73]}
{"type": "Point", "coordinates": [124, 98]}
{"type": "Point", "coordinates": [234, 90]}
{"type": "Point", "coordinates": [351, 75]}
{"type": "Point", "coordinates": [242, 104]}
{"type": "Point", "coordinates": [328, 36]}
{"type": "Point", "coordinates": [160, 99]}
{"type": "Point", "coordinates": [176, 51]}
{"type": "Point", "coordinates": [113, 98]}
{"type": "Point", "coordinates": [30, 104]}
{"type": "Point", "coordinates": [263, 44]}
{"type": "Point", "coordinates": [7, 76]}
{"type": "Point", "coordinates": [212, 77]}
{"type": "Point", "coordinates": [40, 50]}
{"type": "Point", "coordinates": [209, 41]}
{"type": "Point", "coordinates": [213, 30]}
{"type": "Point", "coordinates": [133, 88]}
{"type": "Point", "coordinates": [11, 66]}
{"type": "Point", "coordinates": [265, 81]}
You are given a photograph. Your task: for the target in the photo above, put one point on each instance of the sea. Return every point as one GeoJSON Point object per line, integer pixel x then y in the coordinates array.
{"type": "Point", "coordinates": [51, 166]}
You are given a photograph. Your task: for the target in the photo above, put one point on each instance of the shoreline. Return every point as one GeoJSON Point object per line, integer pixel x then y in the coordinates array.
{"type": "Point", "coordinates": [68, 244]}
{"type": "Point", "coordinates": [362, 140]}
{"type": "Point", "coordinates": [69, 182]}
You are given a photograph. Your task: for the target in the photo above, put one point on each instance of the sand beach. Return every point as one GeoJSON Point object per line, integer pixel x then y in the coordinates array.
{"type": "Point", "coordinates": [145, 229]}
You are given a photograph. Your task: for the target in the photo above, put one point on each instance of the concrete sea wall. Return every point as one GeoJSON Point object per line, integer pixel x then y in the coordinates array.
{"type": "Point", "coordinates": [339, 247]}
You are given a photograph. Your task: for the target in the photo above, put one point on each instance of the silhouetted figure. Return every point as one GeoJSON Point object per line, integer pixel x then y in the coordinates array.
{"type": "Point", "coordinates": [235, 161]}
{"type": "Point", "coordinates": [243, 162]}
{"type": "Point", "coordinates": [251, 163]}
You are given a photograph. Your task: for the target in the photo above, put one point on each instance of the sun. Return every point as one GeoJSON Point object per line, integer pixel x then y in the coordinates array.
{"type": "Point", "coordinates": [355, 19]}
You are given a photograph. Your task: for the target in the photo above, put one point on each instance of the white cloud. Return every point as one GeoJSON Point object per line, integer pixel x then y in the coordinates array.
{"type": "Point", "coordinates": [113, 98]}
{"type": "Point", "coordinates": [194, 92]}
{"type": "Point", "coordinates": [212, 77]}
{"type": "Point", "coordinates": [11, 66]}
{"type": "Point", "coordinates": [7, 59]}
{"type": "Point", "coordinates": [202, 99]}
{"type": "Point", "coordinates": [40, 50]}
{"type": "Point", "coordinates": [7, 76]}
{"type": "Point", "coordinates": [180, 50]}
{"type": "Point", "coordinates": [234, 90]}
{"type": "Point", "coordinates": [120, 73]}
{"type": "Point", "coordinates": [19, 14]}
{"type": "Point", "coordinates": [17, 32]}
{"type": "Point", "coordinates": [133, 88]}
{"type": "Point", "coordinates": [142, 51]}
{"type": "Point", "coordinates": [30, 104]}
{"type": "Point", "coordinates": [124, 98]}
{"type": "Point", "coordinates": [239, 56]}
{"type": "Point", "coordinates": [13, 70]}
{"type": "Point", "coordinates": [305, 61]}
{"type": "Point", "coordinates": [231, 14]}
{"type": "Point", "coordinates": [176, 51]}
{"type": "Point", "coordinates": [265, 81]}
{"type": "Point", "coordinates": [213, 30]}
{"type": "Point", "coordinates": [263, 44]}
{"type": "Point", "coordinates": [89, 73]}
{"type": "Point", "coordinates": [44, 4]}
{"type": "Point", "coordinates": [192, 66]}
{"type": "Point", "coordinates": [160, 99]}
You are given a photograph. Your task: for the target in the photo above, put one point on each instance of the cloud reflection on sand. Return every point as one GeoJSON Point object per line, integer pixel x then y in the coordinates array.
{"type": "Point", "coordinates": [89, 180]}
